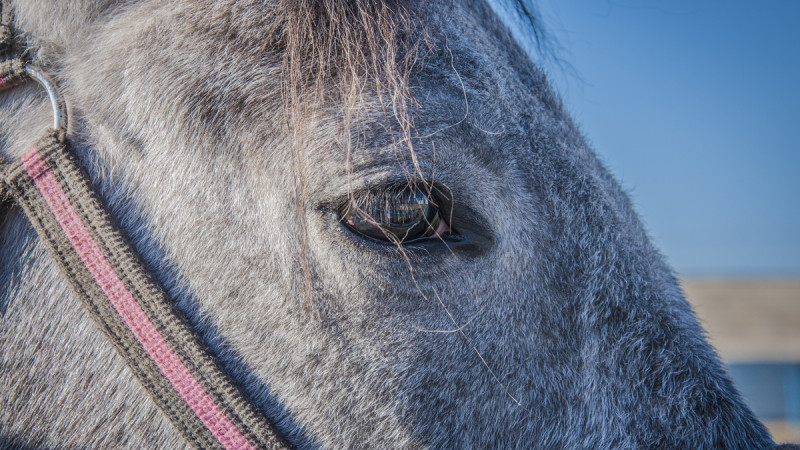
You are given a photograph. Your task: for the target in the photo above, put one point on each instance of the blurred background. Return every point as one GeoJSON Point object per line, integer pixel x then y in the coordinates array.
{"type": "Point", "coordinates": [695, 106]}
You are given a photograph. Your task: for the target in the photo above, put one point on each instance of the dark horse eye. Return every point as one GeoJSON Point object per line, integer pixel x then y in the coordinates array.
{"type": "Point", "coordinates": [395, 215]}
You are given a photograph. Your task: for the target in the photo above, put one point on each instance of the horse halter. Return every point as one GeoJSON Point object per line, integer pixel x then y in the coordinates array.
{"type": "Point", "coordinates": [170, 360]}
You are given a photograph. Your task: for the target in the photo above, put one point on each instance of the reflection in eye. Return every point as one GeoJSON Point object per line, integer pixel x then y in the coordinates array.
{"type": "Point", "coordinates": [395, 215]}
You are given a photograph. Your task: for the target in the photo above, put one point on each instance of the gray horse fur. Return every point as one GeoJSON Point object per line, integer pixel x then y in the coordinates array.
{"type": "Point", "coordinates": [555, 323]}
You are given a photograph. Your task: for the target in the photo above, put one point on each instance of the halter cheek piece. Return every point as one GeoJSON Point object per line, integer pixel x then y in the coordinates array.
{"type": "Point", "coordinates": [159, 345]}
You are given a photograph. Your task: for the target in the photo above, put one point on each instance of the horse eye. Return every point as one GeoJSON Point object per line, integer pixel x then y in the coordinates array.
{"type": "Point", "coordinates": [397, 215]}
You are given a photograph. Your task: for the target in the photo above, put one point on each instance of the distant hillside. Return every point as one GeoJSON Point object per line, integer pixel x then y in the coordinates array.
{"type": "Point", "coordinates": [755, 327]}
{"type": "Point", "coordinates": [749, 320]}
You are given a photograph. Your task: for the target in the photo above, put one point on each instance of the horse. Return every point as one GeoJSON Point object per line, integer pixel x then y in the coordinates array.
{"type": "Point", "coordinates": [378, 216]}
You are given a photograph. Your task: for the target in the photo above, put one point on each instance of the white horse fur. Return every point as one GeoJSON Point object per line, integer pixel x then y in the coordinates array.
{"type": "Point", "coordinates": [226, 152]}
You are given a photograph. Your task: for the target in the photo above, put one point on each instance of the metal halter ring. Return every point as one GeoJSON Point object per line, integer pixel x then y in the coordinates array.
{"type": "Point", "coordinates": [59, 107]}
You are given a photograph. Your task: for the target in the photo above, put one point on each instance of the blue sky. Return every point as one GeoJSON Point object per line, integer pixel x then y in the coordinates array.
{"type": "Point", "coordinates": [695, 107]}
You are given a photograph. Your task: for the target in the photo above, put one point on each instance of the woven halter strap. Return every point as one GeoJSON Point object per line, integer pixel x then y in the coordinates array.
{"type": "Point", "coordinates": [159, 345]}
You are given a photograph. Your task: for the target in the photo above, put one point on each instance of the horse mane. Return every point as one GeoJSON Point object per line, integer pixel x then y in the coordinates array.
{"type": "Point", "coordinates": [529, 13]}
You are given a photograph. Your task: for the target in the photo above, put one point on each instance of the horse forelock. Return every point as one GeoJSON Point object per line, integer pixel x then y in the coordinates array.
{"type": "Point", "coordinates": [360, 45]}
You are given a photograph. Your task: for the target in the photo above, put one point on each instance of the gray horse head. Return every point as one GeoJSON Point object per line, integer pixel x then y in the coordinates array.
{"type": "Point", "coordinates": [379, 216]}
